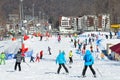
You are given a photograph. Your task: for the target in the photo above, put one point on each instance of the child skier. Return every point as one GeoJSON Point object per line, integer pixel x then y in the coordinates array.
{"type": "Point", "coordinates": [2, 58]}
{"type": "Point", "coordinates": [41, 54]}
{"type": "Point", "coordinates": [31, 58]}
{"type": "Point", "coordinates": [70, 57]}
{"type": "Point", "coordinates": [37, 58]}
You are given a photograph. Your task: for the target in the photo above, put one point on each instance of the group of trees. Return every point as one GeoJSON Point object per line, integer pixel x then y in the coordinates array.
{"type": "Point", "coordinates": [55, 8]}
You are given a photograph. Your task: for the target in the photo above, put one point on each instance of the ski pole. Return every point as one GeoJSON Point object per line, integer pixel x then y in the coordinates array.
{"type": "Point", "coordinates": [27, 64]}
{"type": "Point", "coordinates": [99, 72]}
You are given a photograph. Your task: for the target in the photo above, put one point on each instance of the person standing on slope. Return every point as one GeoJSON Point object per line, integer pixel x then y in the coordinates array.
{"type": "Point", "coordinates": [41, 54]}
{"type": "Point", "coordinates": [70, 57]}
{"type": "Point", "coordinates": [89, 61]}
{"type": "Point", "coordinates": [18, 58]}
{"type": "Point", "coordinates": [2, 58]}
{"type": "Point", "coordinates": [37, 58]}
{"type": "Point", "coordinates": [49, 50]}
{"type": "Point", "coordinates": [61, 61]}
{"type": "Point", "coordinates": [31, 58]}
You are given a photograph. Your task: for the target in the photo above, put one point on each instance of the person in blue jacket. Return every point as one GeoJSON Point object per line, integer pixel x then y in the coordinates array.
{"type": "Point", "coordinates": [61, 61]}
{"type": "Point", "coordinates": [88, 61]}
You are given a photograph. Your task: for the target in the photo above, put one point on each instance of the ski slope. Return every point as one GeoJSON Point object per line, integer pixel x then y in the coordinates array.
{"type": "Point", "coordinates": [46, 69]}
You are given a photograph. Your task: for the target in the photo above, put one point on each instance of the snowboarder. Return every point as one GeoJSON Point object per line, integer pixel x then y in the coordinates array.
{"type": "Point", "coordinates": [61, 61]}
{"type": "Point", "coordinates": [89, 61]}
{"type": "Point", "coordinates": [18, 58]}
{"type": "Point", "coordinates": [2, 58]}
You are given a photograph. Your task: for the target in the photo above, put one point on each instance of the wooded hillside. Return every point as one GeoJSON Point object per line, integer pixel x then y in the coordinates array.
{"type": "Point", "coordinates": [56, 8]}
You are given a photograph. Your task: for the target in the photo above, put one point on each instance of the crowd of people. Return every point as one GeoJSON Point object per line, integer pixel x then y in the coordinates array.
{"type": "Point", "coordinates": [61, 58]}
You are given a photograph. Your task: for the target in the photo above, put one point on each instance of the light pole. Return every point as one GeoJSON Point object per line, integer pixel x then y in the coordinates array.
{"type": "Point", "coordinates": [21, 20]}
{"type": "Point", "coordinates": [21, 10]}
{"type": "Point", "coordinates": [39, 16]}
{"type": "Point", "coordinates": [33, 14]}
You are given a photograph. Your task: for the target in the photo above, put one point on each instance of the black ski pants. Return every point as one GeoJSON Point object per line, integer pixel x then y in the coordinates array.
{"type": "Point", "coordinates": [19, 66]}
{"type": "Point", "coordinates": [85, 68]}
{"type": "Point", "coordinates": [60, 66]}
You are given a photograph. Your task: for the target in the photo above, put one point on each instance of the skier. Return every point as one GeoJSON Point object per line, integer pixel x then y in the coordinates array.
{"type": "Point", "coordinates": [89, 41]}
{"type": "Point", "coordinates": [41, 36]}
{"type": "Point", "coordinates": [91, 48]}
{"type": "Point", "coordinates": [2, 58]}
{"type": "Point", "coordinates": [37, 58]}
{"type": "Point", "coordinates": [41, 54]}
{"type": "Point", "coordinates": [97, 49]}
{"type": "Point", "coordinates": [49, 50]}
{"type": "Point", "coordinates": [89, 61]}
{"type": "Point", "coordinates": [31, 58]}
{"type": "Point", "coordinates": [61, 61]}
{"type": "Point", "coordinates": [18, 57]}
{"type": "Point", "coordinates": [79, 46]}
{"type": "Point", "coordinates": [70, 57]}
{"type": "Point", "coordinates": [75, 42]}
{"type": "Point", "coordinates": [83, 49]}
{"type": "Point", "coordinates": [110, 35]}
{"type": "Point", "coordinates": [59, 38]}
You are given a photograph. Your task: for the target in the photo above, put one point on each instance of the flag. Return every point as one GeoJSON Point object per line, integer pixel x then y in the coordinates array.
{"type": "Point", "coordinates": [9, 56]}
{"type": "Point", "coordinates": [26, 37]}
{"type": "Point", "coordinates": [23, 50]}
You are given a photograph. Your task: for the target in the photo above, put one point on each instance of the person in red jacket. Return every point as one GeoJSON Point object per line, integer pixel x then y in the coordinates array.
{"type": "Point", "coordinates": [41, 54]}
{"type": "Point", "coordinates": [37, 58]}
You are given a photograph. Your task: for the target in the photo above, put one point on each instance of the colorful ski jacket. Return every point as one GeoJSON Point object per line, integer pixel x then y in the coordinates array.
{"type": "Point", "coordinates": [61, 58]}
{"type": "Point", "coordinates": [70, 54]}
{"type": "Point", "coordinates": [2, 55]}
{"type": "Point", "coordinates": [88, 58]}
